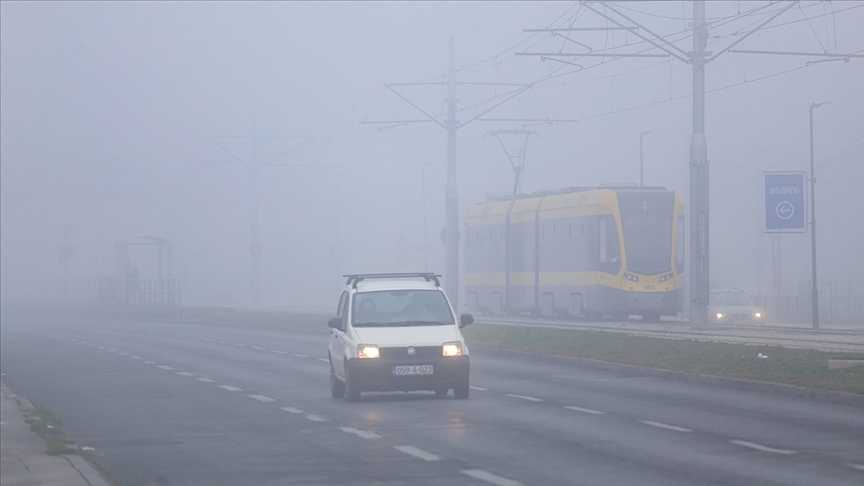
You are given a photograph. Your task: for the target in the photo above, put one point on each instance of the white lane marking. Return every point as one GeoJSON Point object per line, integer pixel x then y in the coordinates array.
{"type": "Point", "coordinates": [166, 368]}
{"type": "Point", "coordinates": [239, 344]}
{"type": "Point", "coordinates": [584, 410]}
{"type": "Point", "coordinates": [205, 380]}
{"type": "Point", "coordinates": [112, 350]}
{"type": "Point", "coordinates": [122, 354]}
{"type": "Point", "coordinates": [324, 360]}
{"type": "Point", "coordinates": [478, 388]}
{"type": "Point", "coordinates": [258, 348]}
{"type": "Point", "coordinates": [291, 409]}
{"type": "Point", "coordinates": [262, 398]}
{"type": "Point", "coordinates": [418, 453]}
{"type": "Point", "coordinates": [184, 373]}
{"type": "Point", "coordinates": [277, 351]}
{"type": "Point", "coordinates": [101, 347]}
{"type": "Point", "coordinates": [490, 478]}
{"type": "Point", "coordinates": [762, 448]}
{"type": "Point", "coordinates": [301, 356]}
{"type": "Point", "coordinates": [223, 342]}
{"type": "Point", "coordinates": [859, 467]}
{"type": "Point", "coordinates": [230, 388]}
{"type": "Point", "coordinates": [362, 433]}
{"type": "Point", "coordinates": [523, 397]}
{"type": "Point", "coordinates": [148, 362]}
{"type": "Point", "coordinates": [315, 418]}
{"type": "Point", "coordinates": [135, 357]}
{"type": "Point", "coordinates": [666, 426]}
{"type": "Point", "coordinates": [209, 340]}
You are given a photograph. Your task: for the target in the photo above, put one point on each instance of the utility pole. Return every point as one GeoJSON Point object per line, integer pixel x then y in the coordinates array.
{"type": "Point", "coordinates": [517, 161]}
{"type": "Point", "coordinates": [451, 203]}
{"type": "Point", "coordinates": [641, 165]}
{"type": "Point", "coordinates": [814, 296]}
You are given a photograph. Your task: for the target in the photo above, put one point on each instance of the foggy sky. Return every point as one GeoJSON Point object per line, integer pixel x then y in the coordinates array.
{"type": "Point", "coordinates": [111, 115]}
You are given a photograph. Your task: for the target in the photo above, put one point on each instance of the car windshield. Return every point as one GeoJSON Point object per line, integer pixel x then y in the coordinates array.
{"type": "Point", "coordinates": [730, 298]}
{"type": "Point", "coordinates": [401, 308]}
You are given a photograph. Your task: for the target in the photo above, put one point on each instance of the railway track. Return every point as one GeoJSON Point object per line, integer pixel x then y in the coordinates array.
{"type": "Point", "coordinates": [847, 338]}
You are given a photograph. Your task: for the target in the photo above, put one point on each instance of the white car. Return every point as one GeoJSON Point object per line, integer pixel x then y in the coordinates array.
{"type": "Point", "coordinates": [397, 332]}
{"type": "Point", "coordinates": [733, 306]}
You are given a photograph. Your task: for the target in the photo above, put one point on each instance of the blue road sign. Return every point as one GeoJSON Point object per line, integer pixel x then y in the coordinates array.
{"type": "Point", "coordinates": [785, 202]}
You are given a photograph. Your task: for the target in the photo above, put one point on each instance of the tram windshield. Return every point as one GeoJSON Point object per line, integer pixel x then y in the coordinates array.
{"type": "Point", "coordinates": [646, 220]}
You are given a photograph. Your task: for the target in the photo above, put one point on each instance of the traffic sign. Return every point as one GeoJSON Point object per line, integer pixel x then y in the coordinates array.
{"type": "Point", "coordinates": [785, 202]}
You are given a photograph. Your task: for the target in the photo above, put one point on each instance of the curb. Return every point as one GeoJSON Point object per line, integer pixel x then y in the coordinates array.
{"type": "Point", "coordinates": [734, 383]}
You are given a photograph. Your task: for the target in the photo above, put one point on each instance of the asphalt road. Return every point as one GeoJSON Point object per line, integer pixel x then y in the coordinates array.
{"type": "Point", "coordinates": [184, 404]}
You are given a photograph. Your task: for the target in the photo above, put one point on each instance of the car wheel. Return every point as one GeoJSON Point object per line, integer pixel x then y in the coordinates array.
{"type": "Point", "coordinates": [441, 391]}
{"type": "Point", "coordinates": [461, 389]}
{"type": "Point", "coordinates": [337, 386]}
{"type": "Point", "coordinates": [352, 388]}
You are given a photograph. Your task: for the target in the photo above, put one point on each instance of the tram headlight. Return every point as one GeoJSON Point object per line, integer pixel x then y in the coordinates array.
{"type": "Point", "coordinates": [666, 277]}
{"type": "Point", "coordinates": [631, 277]}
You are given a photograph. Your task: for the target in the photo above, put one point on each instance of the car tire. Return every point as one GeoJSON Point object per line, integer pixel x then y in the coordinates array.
{"type": "Point", "coordinates": [441, 391]}
{"type": "Point", "coordinates": [337, 386]}
{"type": "Point", "coordinates": [352, 388]}
{"type": "Point", "coordinates": [462, 389]}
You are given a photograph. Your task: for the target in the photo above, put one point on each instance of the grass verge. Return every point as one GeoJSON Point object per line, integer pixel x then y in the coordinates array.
{"type": "Point", "coordinates": [801, 367]}
{"type": "Point", "coordinates": [49, 427]}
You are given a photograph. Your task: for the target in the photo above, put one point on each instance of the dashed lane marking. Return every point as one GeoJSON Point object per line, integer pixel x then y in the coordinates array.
{"type": "Point", "coordinates": [418, 453]}
{"type": "Point", "coordinates": [362, 433]}
{"type": "Point", "coordinates": [135, 357]}
{"type": "Point", "coordinates": [149, 362]}
{"type": "Point", "coordinates": [490, 478]}
{"type": "Point", "coordinates": [291, 409]}
{"type": "Point", "coordinates": [666, 426]}
{"type": "Point", "coordinates": [277, 351]}
{"type": "Point", "coordinates": [230, 388]}
{"type": "Point", "coordinates": [583, 410]}
{"type": "Point", "coordinates": [315, 418]}
{"type": "Point", "coordinates": [859, 467]}
{"type": "Point", "coordinates": [324, 360]}
{"type": "Point", "coordinates": [123, 354]}
{"type": "Point", "coordinates": [262, 398]}
{"type": "Point", "coordinates": [523, 397]}
{"type": "Point", "coordinates": [762, 448]}
{"type": "Point", "coordinates": [478, 388]}
{"type": "Point", "coordinates": [258, 348]}
{"type": "Point", "coordinates": [100, 347]}
{"type": "Point", "coordinates": [184, 373]}
{"type": "Point", "coordinates": [223, 342]}
{"type": "Point", "coordinates": [205, 380]}
{"type": "Point", "coordinates": [166, 368]}
{"type": "Point", "coordinates": [301, 356]}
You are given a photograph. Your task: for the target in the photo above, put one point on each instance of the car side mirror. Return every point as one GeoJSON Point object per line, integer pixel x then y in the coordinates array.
{"type": "Point", "coordinates": [465, 319]}
{"type": "Point", "coordinates": [335, 323]}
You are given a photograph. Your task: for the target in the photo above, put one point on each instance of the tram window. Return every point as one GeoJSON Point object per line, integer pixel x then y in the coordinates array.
{"type": "Point", "coordinates": [679, 245]}
{"type": "Point", "coordinates": [610, 250]}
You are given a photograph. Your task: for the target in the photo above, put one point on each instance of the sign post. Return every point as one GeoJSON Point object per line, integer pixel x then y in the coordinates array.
{"type": "Point", "coordinates": [785, 206]}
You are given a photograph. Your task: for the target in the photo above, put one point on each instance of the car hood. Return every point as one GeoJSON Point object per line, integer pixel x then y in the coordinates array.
{"type": "Point", "coordinates": [407, 336]}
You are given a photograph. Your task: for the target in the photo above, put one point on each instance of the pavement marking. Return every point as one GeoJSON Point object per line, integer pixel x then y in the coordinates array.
{"type": "Point", "coordinates": [209, 340]}
{"type": "Point", "coordinates": [277, 351]}
{"type": "Point", "coordinates": [101, 347]}
{"type": "Point", "coordinates": [184, 373]}
{"type": "Point", "coordinates": [112, 350]}
{"type": "Point", "coordinates": [239, 344]}
{"type": "Point", "coordinates": [362, 433]}
{"type": "Point", "coordinates": [258, 348]}
{"type": "Point", "coordinates": [302, 356]}
{"type": "Point", "coordinates": [291, 409]}
{"type": "Point", "coordinates": [315, 418]}
{"type": "Point", "coordinates": [205, 380]}
{"type": "Point", "coordinates": [223, 342]}
{"type": "Point", "coordinates": [135, 357]}
{"type": "Point", "coordinates": [123, 354]}
{"type": "Point", "coordinates": [262, 398]}
{"type": "Point", "coordinates": [523, 397]}
{"type": "Point", "coordinates": [324, 360]}
{"type": "Point", "coordinates": [230, 388]}
{"type": "Point", "coordinates": [149, 362]}
{"type": "Point", "coordinates": [166, 368]}
{"type": "Point", "coordinates": [583, 410]}
{"type": "Point", "coordinates": [859, 467]}
{"type": "Point", "coordinates": [419, 453]}
{"type": "Point", "coordinates": [762, 448]}
{"type": "Point", "coordinates": [666, 426]}
{"type": "Point", "coordinates": [478, 388]}
{"type": "Point", "coordinates": [490, 478]}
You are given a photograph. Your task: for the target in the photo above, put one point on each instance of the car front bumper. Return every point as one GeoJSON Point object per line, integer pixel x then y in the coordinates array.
{"type": "Point", "coordinates": [377, 374]}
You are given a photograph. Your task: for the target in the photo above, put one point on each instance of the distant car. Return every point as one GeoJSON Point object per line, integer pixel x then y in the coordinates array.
{"type": "Point", "coordinates": [397, 332]}
{"type": "Point", "coordinates": [734, 306]}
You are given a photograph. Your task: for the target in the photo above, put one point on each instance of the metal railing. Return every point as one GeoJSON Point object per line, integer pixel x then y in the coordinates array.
{"type": "Point", "coordinates": [163, 292]}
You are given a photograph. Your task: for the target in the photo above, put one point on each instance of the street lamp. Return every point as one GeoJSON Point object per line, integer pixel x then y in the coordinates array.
{"type": "Point", "coordinates": [641, 170]}
{"type": "Point", "coordinates": [814, 293]}
{"type": "Point", "coordinates": [423, 192]}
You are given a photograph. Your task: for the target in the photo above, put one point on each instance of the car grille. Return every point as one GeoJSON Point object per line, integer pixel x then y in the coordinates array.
{"type": "Point", "coordinates": [420, 352]}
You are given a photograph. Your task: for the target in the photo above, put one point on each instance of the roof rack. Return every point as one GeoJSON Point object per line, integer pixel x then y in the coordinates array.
{"type": "Point", "coordinates": [354, 279]}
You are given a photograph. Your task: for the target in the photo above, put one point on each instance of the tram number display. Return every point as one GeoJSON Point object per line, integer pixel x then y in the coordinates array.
{"type": "Point", "coordinates": [648, 286]}
{"type": "Point", "coordinates": [412, 370]}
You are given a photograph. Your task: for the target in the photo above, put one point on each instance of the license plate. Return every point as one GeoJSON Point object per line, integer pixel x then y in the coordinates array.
{"type": "Point", "coordinates": [412, 370]}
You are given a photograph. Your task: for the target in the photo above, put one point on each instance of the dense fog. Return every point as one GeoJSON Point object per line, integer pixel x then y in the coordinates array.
{"type": "Point", "coordinates": [175, 120]}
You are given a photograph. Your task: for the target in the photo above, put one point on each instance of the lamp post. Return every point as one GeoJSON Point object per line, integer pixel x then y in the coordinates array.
{"type": "Point", "coordinates": [641, 169]}
{"type": "Point", "coordinates": [814, 292]}
{"type": "Point", "coordinates": [423, 192]}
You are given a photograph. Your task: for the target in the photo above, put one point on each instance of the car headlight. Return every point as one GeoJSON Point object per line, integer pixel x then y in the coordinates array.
{"type": "Point", "coordinates": [452, 349]}
{"type": "Point", "coordinates": [368, 351]}
{"type": "Point", "coordinates": [719, 315]}
{"type": "Point", "coordinates": [757, 315]}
